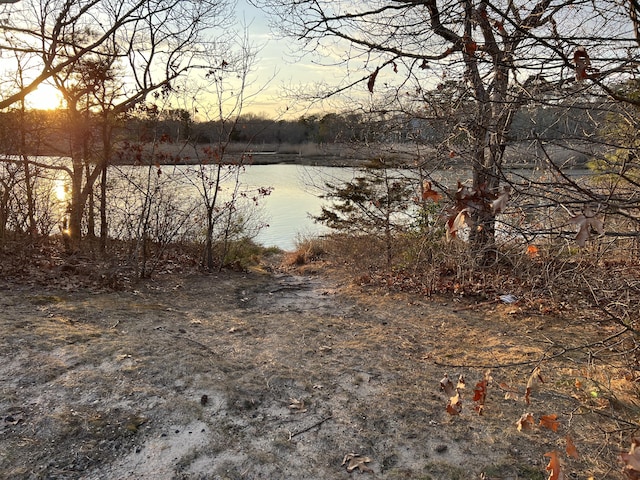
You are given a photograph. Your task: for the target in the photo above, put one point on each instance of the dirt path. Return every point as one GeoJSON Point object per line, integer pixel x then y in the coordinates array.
{"type": "Point", "coordinates": [253, 376]}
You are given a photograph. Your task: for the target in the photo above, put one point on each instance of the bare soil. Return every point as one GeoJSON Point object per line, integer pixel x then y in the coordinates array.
{"type": "Point", "coordinates": [283, 375]}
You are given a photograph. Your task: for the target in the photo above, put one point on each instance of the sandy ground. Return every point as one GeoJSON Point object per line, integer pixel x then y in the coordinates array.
{"type": "Point", "coordinates": [296, 376]}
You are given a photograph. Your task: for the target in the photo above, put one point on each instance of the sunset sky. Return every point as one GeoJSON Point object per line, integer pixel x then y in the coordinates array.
{"type": "Point", "coordinates": [278, 68]}
{"type": "Point", "coordinates": [278, 61]}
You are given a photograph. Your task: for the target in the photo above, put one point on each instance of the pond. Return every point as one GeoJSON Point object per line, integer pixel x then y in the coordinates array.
{"type": "Point", "coordinates": [295, 198]}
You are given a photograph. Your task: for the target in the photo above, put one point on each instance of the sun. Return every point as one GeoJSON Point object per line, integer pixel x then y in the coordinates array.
{"type": "Point", "coordinates": [45, 97]}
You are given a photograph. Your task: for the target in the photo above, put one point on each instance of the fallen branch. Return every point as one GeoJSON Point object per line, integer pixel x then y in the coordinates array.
{"type": "Point", "coordinates": [317, 424]}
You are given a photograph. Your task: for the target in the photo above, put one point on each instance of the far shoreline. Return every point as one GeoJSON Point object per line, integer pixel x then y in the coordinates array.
{"type": "Point", "coordinates": [395, 155]}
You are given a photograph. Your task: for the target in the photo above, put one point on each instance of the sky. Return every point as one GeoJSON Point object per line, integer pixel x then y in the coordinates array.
{"type": "Point", "coordinates": [276, 64]}
{"type": "Point", "coordinates": [278, 67]}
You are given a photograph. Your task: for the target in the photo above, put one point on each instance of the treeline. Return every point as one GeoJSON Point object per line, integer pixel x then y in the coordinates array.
{"type": "Point", "coordinates": [45, 132]}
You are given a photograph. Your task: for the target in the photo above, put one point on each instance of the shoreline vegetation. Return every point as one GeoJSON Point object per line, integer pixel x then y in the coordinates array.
{"type": "Point", "coordinates": [399, 155]}
{"type": "Point", "coordinates": [351, 155]}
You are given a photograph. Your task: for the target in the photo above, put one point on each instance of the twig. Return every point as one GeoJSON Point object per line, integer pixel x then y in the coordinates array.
{"type": "Point", "coordinates": [611, 417]}
{"type": "Point", "coordinates": [613, 317]}
{"type": "Point", "coordinates": [317, 424]}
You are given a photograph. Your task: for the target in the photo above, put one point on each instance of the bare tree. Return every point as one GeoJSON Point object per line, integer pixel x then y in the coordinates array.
{"type": "Point", "coordinates": [151, 44]}
{"type": "Point", "coordinates": [504, 55]}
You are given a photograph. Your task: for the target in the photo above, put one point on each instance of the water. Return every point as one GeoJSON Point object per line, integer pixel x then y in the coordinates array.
{"type": "Point", "coordinates": [294, 199]}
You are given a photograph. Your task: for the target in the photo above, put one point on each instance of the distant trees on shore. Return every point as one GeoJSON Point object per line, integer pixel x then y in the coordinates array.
{"type": "Point", "coordinates": [45, 128]}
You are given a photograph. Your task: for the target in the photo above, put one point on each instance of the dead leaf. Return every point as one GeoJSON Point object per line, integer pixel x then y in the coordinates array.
{"type": "Point", "coordinates": [480, 392]}
{"type": "Point", "coordinates": [296, 406]}
{"type": "Point", "coordinates": [525, 422]}
{"type": "Point", "coordinates": [530, 383]}
{"type": "Point", "coordinates": [13, 419]}
{"type": "Point", "coordinates": [429, 193]}
{"type": "Point", "coordinates": [470, 46]}
{"type": "Point", "coordinates": [550, 422]}
{"type": "Point", "coordinates": [554, 467]}
{"type": "Point", "coordinates": [632, 460]}
{"type": "Point", "coordinates": [572, 451]}
{"type": "Point", "coordinates": [372, 80]}
{"type": "Point", "coordinates": [586, 221]}
{"type": "Point", "coordinates": [454, 407]}
{"type": "Point", "coordinates": [354, 460]}
{"type": "Point", "coordinates": [446, 385]}
{"type": "Point", "coordinates": [499, 204]}
{"type": "Point", "coordinates": [457, 222]}
{"type": "Point", "coordinates": [583, 63]}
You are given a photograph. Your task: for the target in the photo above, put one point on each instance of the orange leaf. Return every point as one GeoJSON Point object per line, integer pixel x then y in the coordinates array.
{"type": "Point", "coordinates": [428, 193]}
{"type": "Point", "coordinates": [572, 451]}
{"type": "Point", "coordinates": [550, 422]}
{"type": "Point", "coordinates": [554, 466]}
{"type": "Point", "coordinates": [532, 251]}
{"type": "Point", "coordinates": [525, 422]}
{"type": "Point", "coordinates": [480, 392]}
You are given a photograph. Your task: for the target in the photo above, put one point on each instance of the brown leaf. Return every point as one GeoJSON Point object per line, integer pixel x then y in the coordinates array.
{"type": "Point", "coordinates": [480, 392]}
{"type": "Point", "coordinates": [470, 46]}
{"type": "Point", "coordinates": [582, 61]}
{"type": "Point", "coordinates": [428, 193]}
{"type": "Point", "coordinates": [372, 80]}
{"type": "Point", "coordinates": [550, 422]}
{"type": "Point", "coordinates": [572, 451]}
{"type": "Point", "coordinates": [354, 460]}
{"type": "Point", "coordinates": [632, 460]}
{"type": "Point", "coordinates": [454, 407]}
{"type": "Point", "coordinates": [455, 223]}
{"type": "Point", "coordinates": [534, 375]}
{"type": "Point", "coordinates": [446, 385]}
{"type": "Point", "coordinates": [554, 467]}
{"type": "Point", "coordinates": [499, 204]}
{"type": "Point", "coordinates": [297, 406]}
{"type": "Point", "coordinates": [586, 221]}
{"type": "Point", "coordinates": [525, 422]}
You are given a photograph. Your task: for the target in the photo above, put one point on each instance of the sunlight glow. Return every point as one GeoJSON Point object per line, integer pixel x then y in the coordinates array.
{"type": "Point", "coordinates": [45, 97]}
{"type": "Point", "coordinates": [60, 190]}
